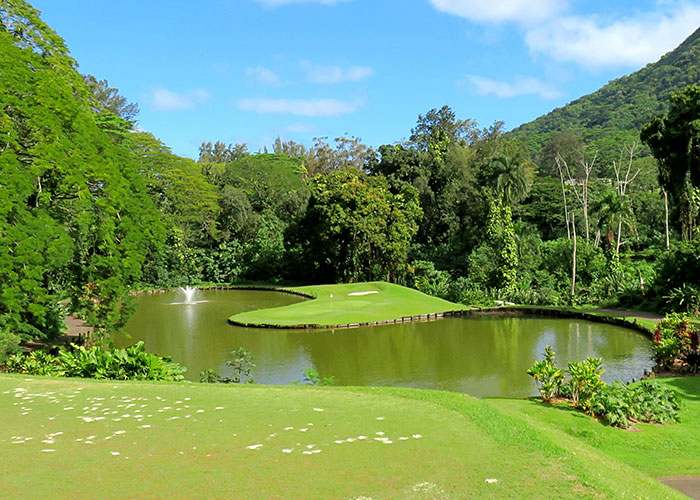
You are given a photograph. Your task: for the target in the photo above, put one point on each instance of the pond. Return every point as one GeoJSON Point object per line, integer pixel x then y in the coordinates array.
{"type": "Point", "coordinates": [484, 356]}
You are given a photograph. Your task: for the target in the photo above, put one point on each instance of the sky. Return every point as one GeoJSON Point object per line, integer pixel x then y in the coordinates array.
{"type": "Point", "coordinates": [248, 71]}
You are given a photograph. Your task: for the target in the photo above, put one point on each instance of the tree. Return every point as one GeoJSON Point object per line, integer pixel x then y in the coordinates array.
{"type": "Point", "coordinates": [220, 152]}
{"type": "Point", "coordinates": [75, 217]}
{"type": "Point", "coordinates": [674, 140]}
{"type": "Point", "coordinates": [355, 228]}
{"type": "Point", "coordinates": [109, 99]}
{"type": "Point", "coordinates": [509, 178]}
{"type": "Point", "coordinates": [440, 127]}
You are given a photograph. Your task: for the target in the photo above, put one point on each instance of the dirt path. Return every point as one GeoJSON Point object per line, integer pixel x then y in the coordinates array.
{"type": "Point", "coordinates": [630, 314]}
{"type": "Point", "coordinates": [688, 485]}
{"type": "Point", "coordinates": [75, 329]}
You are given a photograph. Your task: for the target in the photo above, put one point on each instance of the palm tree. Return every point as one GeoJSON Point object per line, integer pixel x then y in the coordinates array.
{"type": "Point", "coordinates": [510, 178]}
{"type": "Point", "coordinates": [614, 211]}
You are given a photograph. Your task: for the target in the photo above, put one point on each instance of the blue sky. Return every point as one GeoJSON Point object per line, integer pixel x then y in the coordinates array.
{"type": "Point", "coordinates": [252, 70]}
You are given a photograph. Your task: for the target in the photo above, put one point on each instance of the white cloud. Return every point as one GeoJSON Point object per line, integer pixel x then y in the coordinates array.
{"type": "Point", "coordinates": [335, 74]}
{"type": "Point", "coordinates": [163, 99]}
{"type": "Point", "coordinates": [523, 85]}
{"type": "Point", "coordinates": [300, 107]}
{"type": "Point", "coordinates": [494, 11]}
{"type": "Point", "coordinates": [279, 3]}
{"type": "Point", "coordinates": [261, 74]}
{"type": "Point", "coordinates": [633, 41]}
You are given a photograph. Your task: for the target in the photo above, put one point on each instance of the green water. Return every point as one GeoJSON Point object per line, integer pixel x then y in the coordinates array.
{"type": "Point", "coordinates": [485, 356]}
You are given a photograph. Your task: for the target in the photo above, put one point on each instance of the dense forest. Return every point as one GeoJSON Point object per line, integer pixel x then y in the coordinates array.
{"type": "Point", "coordinates": [596, 202]}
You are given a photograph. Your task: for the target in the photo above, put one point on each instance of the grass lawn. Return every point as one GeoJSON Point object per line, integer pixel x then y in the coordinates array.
{"type": "Point", "coordinates": [390, 302]}
{"type": "Point", "coordinates": [73, 439]}
{"type": "Point", "coordinates": [659, 451]}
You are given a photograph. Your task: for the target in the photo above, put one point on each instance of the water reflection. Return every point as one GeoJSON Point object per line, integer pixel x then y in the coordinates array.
{"type": "Point", "coordinates": [485, 356]}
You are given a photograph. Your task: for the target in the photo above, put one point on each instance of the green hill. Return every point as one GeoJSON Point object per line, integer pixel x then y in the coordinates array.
{"type": "Point", "coordinates": [614, 114]}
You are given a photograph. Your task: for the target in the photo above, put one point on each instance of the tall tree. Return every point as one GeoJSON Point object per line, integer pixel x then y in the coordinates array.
{"type": "Point", "coordinates": [355, 228]}
{"type": "Point", "coordinates": [75, 216]}
{"type": "Point", "coordinates": [674, 140]}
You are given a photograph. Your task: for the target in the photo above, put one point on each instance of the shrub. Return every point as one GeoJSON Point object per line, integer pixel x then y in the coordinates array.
{"type": "Point", "coordinates": [585, 382]}
{"type": "Point", "coordinates": [242, 364]}
{"type": "Point", "coordinates": [619, 405]}
{"type": "Point", "coordinates": [674, 340]}
{"type": "Point", "coordinates": [132, 363]}
{"type": "Point", "coordinates": [549, 378]}
{"type": "Point", "coordinates": [9, 345]}
{"type": "Point", "coordinates": [684, 299]}
{"type": "Point", "coordinates": [312, 377]}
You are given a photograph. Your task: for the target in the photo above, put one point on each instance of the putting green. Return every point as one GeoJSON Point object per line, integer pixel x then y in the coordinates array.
{"type": "Point", "coordinates": [350, 303]}
{"type": "Point", "coordinates": [75, 439]}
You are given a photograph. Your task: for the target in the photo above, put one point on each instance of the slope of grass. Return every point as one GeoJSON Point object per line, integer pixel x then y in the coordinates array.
{"type": "Point", "coordinates": [659, 451]}
{"type": "Point", "coordinates": [102, 439]}
{"type": "Point", "coordinates": [391, 302]}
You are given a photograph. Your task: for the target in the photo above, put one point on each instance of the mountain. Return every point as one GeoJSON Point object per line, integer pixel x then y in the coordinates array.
{"type": "Point", "coordinates": [613, 115]}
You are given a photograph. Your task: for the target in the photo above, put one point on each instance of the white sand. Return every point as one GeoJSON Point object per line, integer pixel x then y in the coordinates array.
{"type": "Point", "coordinates": [364, 293]}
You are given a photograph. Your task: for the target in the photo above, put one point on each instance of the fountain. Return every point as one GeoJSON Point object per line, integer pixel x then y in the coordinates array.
{"type": "Point", "coordinates": [189, 293]}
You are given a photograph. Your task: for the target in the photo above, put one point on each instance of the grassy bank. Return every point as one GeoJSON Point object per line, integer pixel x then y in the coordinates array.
{"type": "Point", "coordinates": [655, 450]}
{"type": "Point", "coordinates": [92, 439]}
{"type": "Point", "coordinates": [350, 303]}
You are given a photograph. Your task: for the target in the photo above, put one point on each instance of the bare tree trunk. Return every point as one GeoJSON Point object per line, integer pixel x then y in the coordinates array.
{"type": "Point", "coordinates": [668, 239]}
{"type": "Point", "coordinates": [559, 159]}
{"type": "Point", "coordinates": [573, 265]}
{"type": "Point", "coordinates": [583, 196]}
{"type": "Point", "coordinates": [619, 236]}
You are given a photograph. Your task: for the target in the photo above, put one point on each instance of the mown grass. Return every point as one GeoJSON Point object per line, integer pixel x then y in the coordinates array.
{"type": "Point", "coordinates": [163, 440]}
{"type": "Point", "coordinates": [659, 451]}
{"type": "Point", "coordinates": [391, 302]}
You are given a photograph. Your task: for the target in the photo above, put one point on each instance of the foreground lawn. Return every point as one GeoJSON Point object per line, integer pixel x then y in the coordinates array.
{"type": "Point", "coordinates": [385, 302]}
{"type": "Point", "coordinates": [73, 439]}
{"type": "Point", "coordinates": [660, 451]}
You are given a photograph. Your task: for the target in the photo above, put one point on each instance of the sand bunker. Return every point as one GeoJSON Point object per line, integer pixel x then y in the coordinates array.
{"type": "Point", "coordinates": [364, 293]}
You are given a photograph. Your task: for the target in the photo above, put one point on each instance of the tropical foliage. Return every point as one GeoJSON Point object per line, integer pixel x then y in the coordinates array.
{"type": "Point", "coordinates": [131, 363]}
{"type": "Point", "coordinates": [618, 405]}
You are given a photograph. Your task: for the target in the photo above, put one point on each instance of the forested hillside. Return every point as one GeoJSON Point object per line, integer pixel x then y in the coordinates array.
{"type": "Point", "coordinates": [616, 112]}
{"type": "Point", "coordinates": [91, 207]}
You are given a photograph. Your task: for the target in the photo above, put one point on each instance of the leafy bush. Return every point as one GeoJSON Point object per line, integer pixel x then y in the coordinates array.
{"type": "Point", "coordinates": [585, 382]}
{"type": "Point", "coordinates": [617, 404]}
{"type": "Point", "coordinates": [549, 378]}
{"type": "Point", "coordinates": [131, 363]}
{"type": "Point", "coordinates": [685, 299]}
{"type": "Point", "coordinates": [427, 279]}
{"type": "Point", "coordinates": [9, 345]}
{"type": "Point", "coordinates": [674, 340]}
{"type": "Point", "coordinates": [620, 404]}
{"type": "Point", "coordinates": [312, 377]}
{"type": "Point", "coordinates": [242, 364]}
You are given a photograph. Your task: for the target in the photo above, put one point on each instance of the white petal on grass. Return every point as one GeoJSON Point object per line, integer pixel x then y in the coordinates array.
{"type": "Point", "coordinates": [491, 481]}
{"type": "Point", "coordinates": [417, 436]}
{"type": "Point", "coordinates": [287, 450]}
{"type": "Point", "coordinates": [254, 446]}
{"type": "Point", "coordinates": [47, 451]}
{"type": "Point", "coordinates": [114, 453]}
{"type": "Point", "coordinates": [380, 418]}
{"type": "Point", "coordinates": [319, 409]}
{"type": "Point", "coordinates": [219, 408]}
